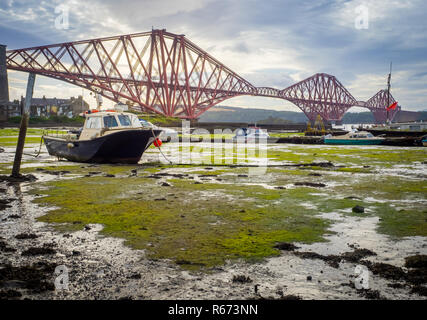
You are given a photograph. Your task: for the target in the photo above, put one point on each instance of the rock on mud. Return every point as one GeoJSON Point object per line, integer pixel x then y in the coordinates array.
{"type": "Point", "coordinates": [36, 277]}
{"type": "Point", "coordinates": [420, 290]}
{"type": "Point", "coordinates": [21, 178]}
{"type": "Point", "coordinates": [9, 294]}
{"type": "Point", "coordinates": [5, 248]}
{"type": "Point", "coordinates": [4, 203]}
{"type": "Point", "coordinates": [357, 255]}
{"type": "Point", "coordinates": [34, 251]}
{"type": "Point", "coordinates": [417, 261]}
{"type": "Point", "coordinates": [310, 184]}
{"type": "Point", "coordinates": [358, 209]}
{"type": "Point", "coordinates": [314, 174]}
{"type": "Point", "coordinates": [385, 270]}
{"type": "Point", "coordinates": [334, 260]}
{"type": "Point", "coordinates": [241, 279]}
{"type": "Point", "coordinates": [24, 236]}
{"type": "Point", "coordinates": [286, 246]}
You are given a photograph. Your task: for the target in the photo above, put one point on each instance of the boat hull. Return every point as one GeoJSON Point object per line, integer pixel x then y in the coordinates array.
{"type": "Point", "coordinates": [353, 141]}
{"type": "Point", "coordinates": [125, 146]}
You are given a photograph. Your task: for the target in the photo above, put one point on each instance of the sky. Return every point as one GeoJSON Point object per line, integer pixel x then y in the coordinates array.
{"type": "Point", "coordinates": [269, 43]}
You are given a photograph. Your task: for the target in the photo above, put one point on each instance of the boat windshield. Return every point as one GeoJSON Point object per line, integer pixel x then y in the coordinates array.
{"type": "Point", "coordinates": [93, 123]}
{"type": "Point", "coordinates": [124, 120]}
{"type": "Point", "coordinates": [110, 122]}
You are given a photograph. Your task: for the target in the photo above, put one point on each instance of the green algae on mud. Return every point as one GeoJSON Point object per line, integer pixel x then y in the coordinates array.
{"type": "Point", "coordinates": [12, 141]}
{"type": "Point", "coordinates": [350, 156]}
{"type": "Point", "coordinates": [188, 224]}
{"type": "Point", "coordinates": [30, 131]}
{"type": "Point", "coordinates": [231, 215]}
{"type": "Point", "coordinates": [9, 136]}
{"type": "Point", "coordinates": [402, 222]}
{"type": "Point", "coordinates": [202, 206]}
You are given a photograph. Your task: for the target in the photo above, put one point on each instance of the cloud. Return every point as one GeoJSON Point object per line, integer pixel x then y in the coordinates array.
{"type": "Point", "coordinates": [273, 43]}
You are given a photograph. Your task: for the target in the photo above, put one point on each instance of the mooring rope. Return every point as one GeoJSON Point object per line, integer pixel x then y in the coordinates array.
{"type": "Point", "coordinates": [158, 146]}
{"type": "Point", "coordinates": [40, 147]}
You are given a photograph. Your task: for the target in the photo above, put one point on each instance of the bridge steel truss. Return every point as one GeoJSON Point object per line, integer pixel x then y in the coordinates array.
{"type": "Point", "coordinates": [165, 73]}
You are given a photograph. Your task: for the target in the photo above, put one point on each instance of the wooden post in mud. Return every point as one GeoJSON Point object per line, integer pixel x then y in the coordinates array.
{"type": "Point", "coordinates": [23, 127]}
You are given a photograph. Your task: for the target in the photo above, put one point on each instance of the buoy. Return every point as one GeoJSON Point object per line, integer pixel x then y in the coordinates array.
{"type": "Point", "coordinates": [157, 142]}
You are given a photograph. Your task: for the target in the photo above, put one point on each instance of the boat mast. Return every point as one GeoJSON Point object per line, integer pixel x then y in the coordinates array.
{"type": "Point", "coordinates": [388, 91]}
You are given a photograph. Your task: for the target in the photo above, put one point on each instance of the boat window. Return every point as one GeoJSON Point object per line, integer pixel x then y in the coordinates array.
{"type": "Point", "coordinates": [369, 135]}
{"type": "Point", "coordinates": [124, 120]}
{"type": "Point", "coordinates": [93, 123]}
{"type": "Point", "coordinates": [110, 122]}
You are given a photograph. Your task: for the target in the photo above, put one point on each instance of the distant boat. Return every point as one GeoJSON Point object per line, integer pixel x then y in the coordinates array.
{"type": "Point", "coordinates": [354, 138]}
{"type": "Point", "coordinates": [251, 133]}
{"type": "Point", "coordinates": [106, 137]}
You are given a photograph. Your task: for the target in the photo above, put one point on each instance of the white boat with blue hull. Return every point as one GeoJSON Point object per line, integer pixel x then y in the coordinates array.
{"type": "Point", "coordinates": [354, 138]}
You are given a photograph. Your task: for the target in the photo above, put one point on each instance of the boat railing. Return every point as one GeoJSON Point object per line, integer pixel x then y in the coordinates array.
{"type": "Point", "coordinates": [63, 133]}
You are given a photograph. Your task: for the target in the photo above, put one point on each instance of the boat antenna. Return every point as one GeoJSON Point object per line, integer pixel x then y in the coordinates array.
{"type": "Point", "coordinates": [388, 89]}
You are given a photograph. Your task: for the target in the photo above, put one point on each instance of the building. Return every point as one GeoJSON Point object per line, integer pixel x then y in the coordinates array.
{"type": "Point", "coordinates": [45, 107]}
{"type": "Point", "coordinates": [10, 109]}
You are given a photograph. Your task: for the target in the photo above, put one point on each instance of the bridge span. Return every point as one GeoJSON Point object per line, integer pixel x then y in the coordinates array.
{"type": "Point", "coordinates": [166, 73]}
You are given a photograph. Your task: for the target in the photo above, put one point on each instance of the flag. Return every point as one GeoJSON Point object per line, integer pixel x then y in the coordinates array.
{"type": "Point", "coordinates": [392, 106]}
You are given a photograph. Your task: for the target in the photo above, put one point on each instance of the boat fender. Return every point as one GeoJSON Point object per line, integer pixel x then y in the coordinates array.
{"type": "Point", "coordinates": [70, 145]}
{"type": "Point", "coordinates": [157, 142]}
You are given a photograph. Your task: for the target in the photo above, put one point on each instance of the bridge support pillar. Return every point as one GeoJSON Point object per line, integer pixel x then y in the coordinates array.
{"type": "Point", "coordinates": [4, 86]}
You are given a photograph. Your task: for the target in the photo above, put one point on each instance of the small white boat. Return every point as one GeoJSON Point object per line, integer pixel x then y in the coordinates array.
{"type": "Point", "coordinates": [354, 138]}
{"type": "Point", "coordinates": [251, 133]}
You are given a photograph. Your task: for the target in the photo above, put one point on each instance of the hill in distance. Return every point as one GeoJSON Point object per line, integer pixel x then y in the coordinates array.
{"type": "Point", "coordinates": [250, 115]}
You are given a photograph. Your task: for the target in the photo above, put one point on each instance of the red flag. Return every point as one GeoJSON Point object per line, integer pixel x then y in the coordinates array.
{"type": "Point", "coordinates": [392, 106]}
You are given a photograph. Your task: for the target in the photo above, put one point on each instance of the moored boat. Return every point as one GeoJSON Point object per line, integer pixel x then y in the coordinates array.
{"type": "Point", "coordinates": [106, 137]}
{"type": "Point", "coordinates": [354, 138]}
{"type": "Point", "coordinates": [251, 133]}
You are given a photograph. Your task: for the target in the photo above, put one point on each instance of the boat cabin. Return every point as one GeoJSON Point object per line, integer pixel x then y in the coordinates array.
{"type": "Point", "coordinates": [360, 135]}
{"type": "Point", "coordinates": [251, 132]}
{"type": "Point", "coordinates": [101, 123]}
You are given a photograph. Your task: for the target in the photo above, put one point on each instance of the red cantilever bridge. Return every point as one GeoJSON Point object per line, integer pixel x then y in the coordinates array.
{"type": "Point", "coordinates": [165, 73]}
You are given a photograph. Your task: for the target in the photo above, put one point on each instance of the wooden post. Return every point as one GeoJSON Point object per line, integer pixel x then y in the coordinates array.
{"type": "Point", "coordinates": [23, 127]}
